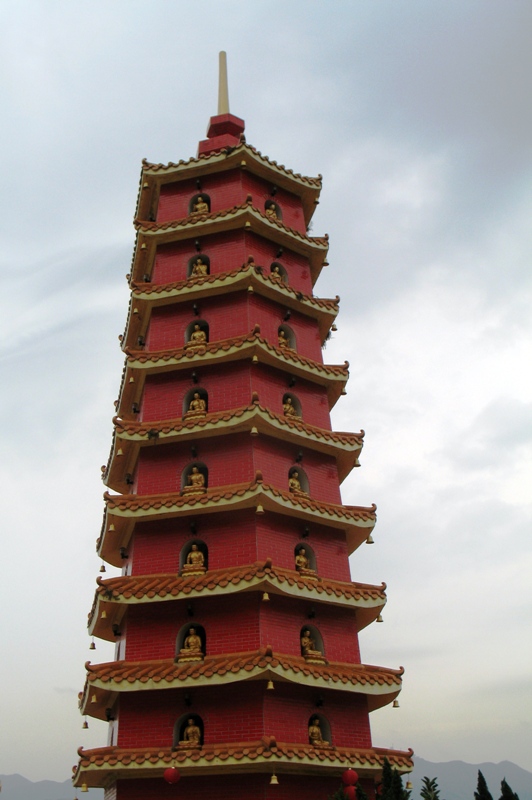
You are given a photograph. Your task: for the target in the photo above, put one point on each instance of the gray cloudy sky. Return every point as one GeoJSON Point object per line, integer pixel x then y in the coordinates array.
{"type": "Point", "coordinates": [418, 115]}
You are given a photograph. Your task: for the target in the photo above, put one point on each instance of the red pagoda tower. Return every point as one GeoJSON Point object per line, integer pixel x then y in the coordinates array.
{"type": "Point", "coordinates": [235, 619]}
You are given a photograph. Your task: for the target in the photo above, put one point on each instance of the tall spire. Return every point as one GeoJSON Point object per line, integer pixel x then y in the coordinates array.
{"type": "Point", "coordinates": [223, 89]}
{"type": "Point", "coordinates": [225, 130]}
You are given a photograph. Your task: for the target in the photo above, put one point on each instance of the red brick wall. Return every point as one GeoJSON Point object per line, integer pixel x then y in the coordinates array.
{"type": "Point", "coordinates": [242, 712]}
{"type": "Point", "coordinates": [225, 786]}
{"type": "Point", "coordinates": [228, 189]}
{"type": "Point", "coordinates": [228, 251]}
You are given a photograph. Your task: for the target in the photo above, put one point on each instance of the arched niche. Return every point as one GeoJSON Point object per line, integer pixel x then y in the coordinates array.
{"type": "Point", "coordinates": [190, 397]}
{"type": "Point", "coordinates": [315, 636]}
{"type": "Point", "coordinates": [199, 204]}
{"type": "Point", "coordinates": [188, 548]}
{"type": "Point", "coordinates": [197, 332]}
{"type": "Point", "coordinates": [180, 735]}
{"type": "Point", "coordinates": [185, 631]}
{"type": "Point", "coordinates": [295, 475]}
{"type": "Point", "coordinates": [286, 336]}
{"type": "Point", "coordinates": [273, 210]}
{"type": "Point", "coordinates": [198, 266]}
{"type": "Point", "coordinates": [194, 468]}
{"type": "Point", "coordinates": [278, 271]}
{"type": "Point", "coordinates": [324, 730]}
{"type": "Point", "coordinates": [291, 405]}
{"type": "Point", "coordinates": [308, 553]}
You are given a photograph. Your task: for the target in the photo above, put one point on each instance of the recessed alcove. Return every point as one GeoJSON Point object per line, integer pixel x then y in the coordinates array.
{"type": "Point", "coordinates": [196, 466]}
{"type": "Point", "coordinates": [190, 396]}
{"type": "Point", "coordinates": [198, 266]}
{"type": "Point", "coordinates": [291, 401]}
{"type": "Point", "coordinates": [198, 202]}
{"type": "Point", "coordinates": [278, 271]}
{"type": "Point", "coordinates": [298, 474]}
{"type": "Point", "coordinates": [187, 549]}
{"type": "Point", "coordinates": [193, 329]}
{"type": "Point", "coordinates": [184, 631]}
{"type": "Point", "coordinates": [181, 726]}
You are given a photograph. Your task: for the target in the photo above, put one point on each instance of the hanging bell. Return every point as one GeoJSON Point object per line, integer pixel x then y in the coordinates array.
{"type": "Point", "coordinates": [259, 510]}
{"type": "Point", "coordinates": [103, 615]}
{"type": "Point", "coordinates": [92, 646]}
{"type": "Point", "coordinates": [94, 699]}
{"type": "Point", "coordinates": [265, 597]}
{"type": "Point", "coordinates": [84, 787]}
{"type": "Point", "coordinates": [370, 540]}
{"type": "Point", "coordinates": [102, 568]}
{"type": "Point", "coordinates": [273, 780]}
{"type": "Point", "coordinates": [379, 618]}
{"type": "Point", "coordinates": [85, 725]}
{"type": "Point", "coordinates": [270, 685]}
{"type": "Point", "coordinates": [408, 785]}
{"type": "Point", "coordinates": [395, 704]}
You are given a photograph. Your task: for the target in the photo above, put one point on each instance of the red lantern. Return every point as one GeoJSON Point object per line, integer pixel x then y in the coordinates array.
{"type": "Point", "coordinates": [350, 792]}
{"type": "Point", "coordinates": [350, 777]}
{"type": "Point", "coordinates": [171, 775]}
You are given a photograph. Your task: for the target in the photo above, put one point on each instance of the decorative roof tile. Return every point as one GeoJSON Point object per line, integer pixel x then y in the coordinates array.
{"type": "Point", "coordinates": [96, 765]}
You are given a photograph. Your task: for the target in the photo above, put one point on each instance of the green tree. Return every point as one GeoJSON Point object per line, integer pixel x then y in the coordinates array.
{"type": "Point", "coordinates": [506, 792]}
{"type": "Point", "coordinates": [392, 784]}
{"type": "Point", "coordinates": [482, 792]}
{"type": "Point", "coordinates": [429, 789]}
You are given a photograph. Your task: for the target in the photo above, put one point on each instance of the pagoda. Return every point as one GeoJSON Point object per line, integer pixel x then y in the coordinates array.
{"type": "Point", "coordinates": [237, 664]}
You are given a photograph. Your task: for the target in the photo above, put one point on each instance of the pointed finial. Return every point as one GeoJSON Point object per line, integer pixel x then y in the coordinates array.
{"type": "Point", "coordinates": [223, 90]}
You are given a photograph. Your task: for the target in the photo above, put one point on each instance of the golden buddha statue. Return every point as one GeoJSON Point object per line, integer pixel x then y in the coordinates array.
{"type": "Point", "coordinates": [276, 272]}
{"type": "Point", "coordinates": [199, 268]}
{"type": "Point", "coordinates": [197, 406]}
{"type": "Point", "coordinates": [191, 734]}
{"type": "Point", "coordinates": [314, 734]}
{"type": "Point", "coordinates": [282, 338]}
{"type": "Point", "coordinates": [271, 213]}
{"type": "Point", "coordinates": [200, 206]}
{"type": "Point", "coordinates": [196, 482]}
{"type": "Point", "coordinates": [192, 648]}
{"type": "Point", "coordinates": [303, 564]}
{"type": "Point", "coordinates": [294, 484]}
{"type": "Point", "coordinates": [195, 562]}
{"type": "Point", "coordinates": [198, 337]}
{"type": "Point", "coordinates": [308, 649]}
{"type": "Point", "coordinates": [289, 408]}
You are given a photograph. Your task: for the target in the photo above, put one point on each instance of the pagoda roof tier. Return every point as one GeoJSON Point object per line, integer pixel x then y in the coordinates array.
{"type": "Point", "coordinates": [130, 436]}
{"type": "Point", "coordinates": [247, 277]}
{"type": "Point", "coordinates": [380, 684]}
{"type": "Point", "coordinates": [100, 766]}
{"type": "Point", "coordinates": [246, 217]}
{"type": "Point", "coordinates": [243, 157]}
{"type": "Point", "coordinates": [124, 511]}
{"type": "Point", "coordinates": [252, 346]}
{"type": "Point", "coordinates": [114, 595]}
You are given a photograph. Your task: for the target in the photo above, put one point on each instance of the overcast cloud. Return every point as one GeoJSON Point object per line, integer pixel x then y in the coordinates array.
{"type": "Point", "coordinates": [418, 116]}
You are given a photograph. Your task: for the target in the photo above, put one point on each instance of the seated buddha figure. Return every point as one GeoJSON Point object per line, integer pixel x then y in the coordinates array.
{"type": "Point", "coordinates": [197, 406]}
{"type": "Point", "coordinates": [303, 564]}
{"type": "Point", "coordinates": [200, 206]}
{"type": "Point", "coordinates": [270, 211]}
{"type": "Point", "coordinates": [294, 484]}
{"type": "Point", "coordinates": [308, 649]}
{"type": "Point", "coordinates": [198, 337]}
{"type": "Point", "coordinates": [195, 482]}
{"type": "Point", "coordinates": [192, 648]}
{"type": "Point", "coordinates": [191, 735]}
{"type": "Point", "coordinates": [314, 734]}
{"type": "Point", "coordinates": [199, 269]}
{"type": "Point", "coordinates": [195, 563]}
{"type": "Point", "coordinates": [282, 339]}
{"type": "Point", "coordinates": [289, 409]}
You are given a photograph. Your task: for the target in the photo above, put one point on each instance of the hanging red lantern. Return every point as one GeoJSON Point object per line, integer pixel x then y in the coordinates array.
{"type": "Point", "coordinates": [350, 777]}
{"type": "Point", "coordinates": [350, 792]}
{"type": "Point", "coordinates": [171, 775]}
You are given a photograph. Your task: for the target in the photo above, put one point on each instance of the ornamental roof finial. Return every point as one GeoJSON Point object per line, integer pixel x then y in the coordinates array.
{"type": "Point", "coordinates": [223, 90]}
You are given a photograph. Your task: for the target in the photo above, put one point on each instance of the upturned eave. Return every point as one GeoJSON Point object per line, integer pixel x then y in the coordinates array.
{"type": "Point", "coordinates": [130, 437]}
{"type": "Point", "coordinates": [102, 766]}
{"type": "Point", "coordinates": [114, 595]}
{"type": "Point", "coordinates": [122, 512]}
{"type": "Point", "coordinates": [243, 217]}
{"type": "Point", "coordinates": [145, 296]}
{"type": "Point", "coordinates": [244, 157]}
{"type": "Point", "coordinates": [252, 347]}
{"type": "Point", "coordinates": [380, 685]}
